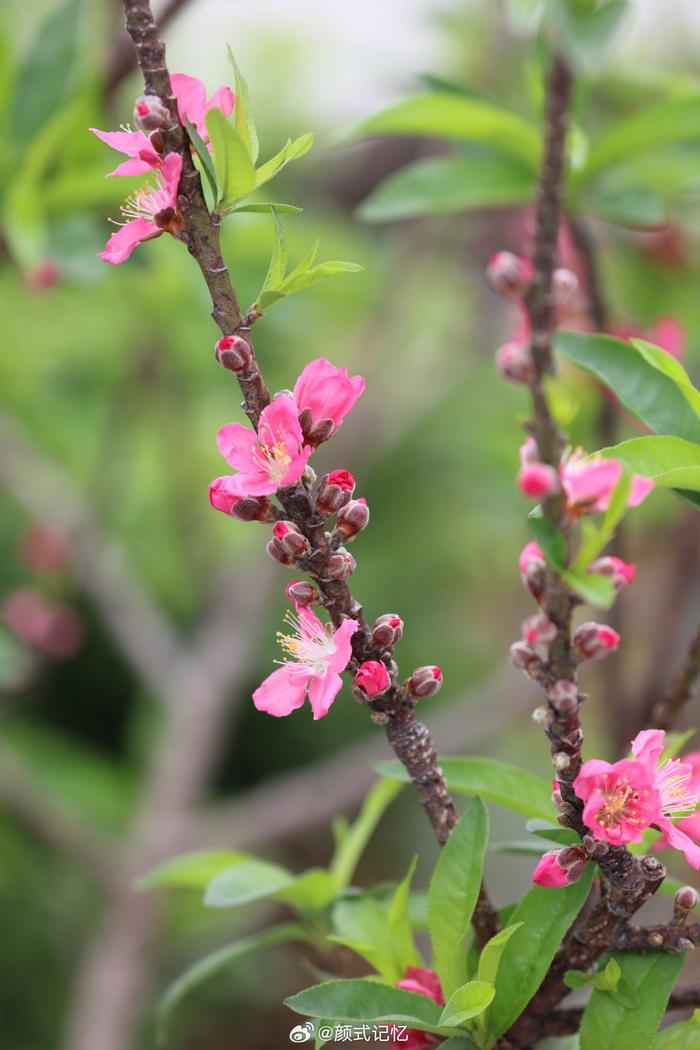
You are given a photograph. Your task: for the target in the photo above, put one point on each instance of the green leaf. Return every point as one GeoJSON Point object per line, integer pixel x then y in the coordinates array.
{"type": "Point", "coordinates": [450, 116]}
{"type": "Point", "coordinates": [278, 261]}
{"type": "Point", "coordinates": [48, 71]}
{"type": "Point", "coordinates": [353, 842]}
{"type": "Point", "coordinates": [670, 461]}
{"type": "Point", "coordinates": [627, 205]}
{"type": "Point", "coordinates": [453, 893]}
{"type": "Point", "coordinates": [399, 922]}
{"type": "Point", "coordinates": [290, 151]}
{"type": "Point", "coordinates": [216, 961]}
{"type": "Point", "coordinates": [550, 538]}
{"type": "Point", "coordinates": [495, 781]}
{"type": "Point", "coordinates": [368, 1001]}
{"type": "Point", "coordinates": [466, 1002]}
{"type": "Point", "coordinates": [552, 832]}
{"type": "Point", "coordinates": [243, 113]}
{"type": "Point", "coordinates": [547, 915]}
{"type": "Point", "coordinates": [281, 209]}
{"type": "Point", "coordinates": [490, 958]}
{"type": "Point", "coordinates": [664, 362]}
{"type": "Point", "coordinates": [235, 173]}
{"type": "Point", "coordinates": [594, 588]}
{"type": "Point", "coordinates": [644, 132]}
{"type": "Point", "coordinates": [649, 394]}
{"type": "Point", "coordinates": [203, 154]}
{"type": "Point", "coordinates": [682, 1036]}
{"type": "Point", "coordinates": [362, 924]}
{"type": "Point", "coordinates": [587, 31]}
{"type": "Point", "coordinates": [292, 284]}
{"type": "Point", "coordinates": [442, 185]}
{"type": "Point", "coordinates": [609, 1022]}
{"type": "Point", "coordinates": [251, 880]}
{"type": "Point", "coordinates": [596, 539]}
{"type": "Point", "coordinates": [191, 870]}
{"type": "Point", "coordinates": [311, 891]}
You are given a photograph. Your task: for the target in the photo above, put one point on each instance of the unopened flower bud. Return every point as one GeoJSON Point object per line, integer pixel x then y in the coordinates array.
{"type": "Point", "coordinates": [564, 285]}
{"type": "Point", "coordinates": [563, 696]}
{"type": "Point", "coordinates": [387, 630]}
{"type": "Point", "coordinates": [507, 274]}
{"type": "Point", "coordinates": [538, 480]}
{"type": "Point", "coordinates": [245, 508]}
{"type": "Point", "coordinates": [538, 629]}
{"type": "Point", "coordinates": [523, 656]}
{"type": "Point", "coordinates": [532, 565]}
{"type": "Point", "coordinates": [372, 679]}
{"type": "Point", "coordinates": [594, 641]}
{"type": "Point", "coordinates": [341, 565]}
{"type": "Point", "coordinates": [620, 572]}
{"type": "Point", "coordinates": [302, 593]}
{"type": "Point", "coordinates": [334, 491]}
{"type": "Point", "coordinates": [234, 354]}
{"type": "Point", "coordinates": [560, 867]}
{"type": "Point", "coordinates": [276, 550]}
{"type": "Point", "coordinates": [514, 361]}
{"type": "Point", "coordinates": [150, 113]}
{"type": "Point", "coordinates": [319, 432]}
{"type": "Point", "coordinates": [425, 681]}
{"type": "Point", "coordinates": [685, 900]}
{"type": "Point", "coordinates": [291, 539]}
{"type": "Point", "coordinates": [352, 518]}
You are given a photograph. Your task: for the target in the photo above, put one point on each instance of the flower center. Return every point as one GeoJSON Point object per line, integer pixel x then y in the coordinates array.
{"type": "Point", "coordinates": [621, 802]}
{"type": "Point", "coordinates": [277, 460]}
{"type": "Point", "coordinates": [673, 781]}
{"type": "Point", "coordinates": [311, 645]}
{"type": "Point", "coordinates": [147, 201]}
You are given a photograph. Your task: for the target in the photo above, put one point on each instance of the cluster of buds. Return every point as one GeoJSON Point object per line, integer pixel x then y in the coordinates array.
{"type": "Point", "coordinates": [425, 681]}
{"type": "Point", "coordinates": [234, 354]}
{"type": "Point", "coordinates": [387, 630]}
{"type": "Point", "coordinates": [334, 492]}
{"type": "Point", "coordinates": [288, 543]}
{"type": "Point", "coordinates": [594, 641]}
{"type": "Point", "coordinates": [561, 867]}
{"type": "Point", "coordinates": [372, 679]}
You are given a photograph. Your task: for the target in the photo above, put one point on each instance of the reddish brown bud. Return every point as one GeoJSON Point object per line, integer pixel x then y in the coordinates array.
{"type": "Point", "coordinates": [277, 551]}
{"type": "Point", "coordinates": [425, 681]}
{"type": "Point", "coordinates": [254, 508]}
{"type": "Point", "coordinates": [352, 518]}
{"type": "Point", "coordinates": [387, 630]}
{"type": "Point", "coordinates": [341, 565]}
{"type": "Point", "coordinates": [234, 354]}
{"type": "Point", "coordinates": [564, 285]}
{"type": "Point", "coordinates": [150, 113]}
{"type": "Point", "coordinates": [507, 275]}
{"type": "Point", "coordinates": [301, 592]}
{"type": "Point", "coordinates": [514, 361]}
{"type": "Point", "coordinates": [319, 432]}
{"type": "Point", "coordinates": [291, 539]}
{"type": "Point", "coordinates": [563, 696]}
{"type": "Point", "coordinates": [334, 491]}
{"type": "Point", "coordinates": [594, 641]}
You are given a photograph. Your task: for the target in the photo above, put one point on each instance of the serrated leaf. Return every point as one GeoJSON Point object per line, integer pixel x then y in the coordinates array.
{"type": "Point", "coordinates": [368, 1001]}
{"type": "Point", "coordinates": [235, 172]}
{"type": "Point", "coordinates": [453, 893]}
{"type": "Point", "coordinates": [203, 154]}
{"type": "Point", "coordinates": [292, 150]}
{"type": "Point", "coordinates": [442, 185]}
{"type": "Point", "coordinates": [317, 273]}
{"type": "Point", "coordinates": [491, 953]}
{"type": "Point", "coordinates": [648, 393]}
{"type": "Point", "coordinates": [362, 924]}
{"type": "Point", "coordinates": [467, 1002]}
{"type": "Point", "coordinates": [278, 261]}
{"type": "Point", "coordinates": [243, 112]}
{"type": "Point", "coordinates": [609, 1022]}
{"type": "Point", "coordinates": [495, 781]}
{"type": "Point", "coordinates": [216, 961]}
{"type": "Point", "coordinates": [281, 209]}
{"type": "Point", "coordinates": [456, 117]}
{"type": "Point", "coordinates": [670, 461]}
{"type": "Point", "coordinates": [682, 1036]}
{"type": "Point", "coordinates": [399, 922]}
{"type": "Point", "coordinates": [547, 915]}
{"type": "Point", "coordinates": [552, 832]}
{"type": "Point", "coordinates": [664, 362]}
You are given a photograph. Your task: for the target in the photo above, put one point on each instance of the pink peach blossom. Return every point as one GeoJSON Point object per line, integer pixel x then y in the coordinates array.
{"type": "Point", "coordinates": [589, 482]}
{"type": "Point", "coordinates": [317, 655]}
{"type": "Point", "coordinates": [137, 146]}
{"type": "Point", "coordinates": [142, 210]}
{"type": "Point", "coordinates": [191, 96]}
{"type": "Point", "coordinates": [423, 982]}
{"type": "Point", "coordinates": [326, 391]}
{"type": "Point", "coordinates": [678, 784]}
{"type": "Point", "coordinates": [268, 460]}
{"type": "Point", "coordinates": [372, 678]}
{"type": "Point", "coordinates": [621, 799]}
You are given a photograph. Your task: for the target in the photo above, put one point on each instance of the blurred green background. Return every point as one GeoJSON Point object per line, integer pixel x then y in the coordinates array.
{"type": "Point", "coordinates": [130, 735]}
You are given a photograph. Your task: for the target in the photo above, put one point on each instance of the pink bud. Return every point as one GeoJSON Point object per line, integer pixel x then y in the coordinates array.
{"type": "Point", "coordinates": [425, 681]}
{"type": "Point", "coordinates": [150, 113]}
{"type": "Point", "coordinates": [220, 498]}
{"type": "Point", "coordinates": [341, 565]}
{"type": "Point", "coordinates": [352, 518]}
{"type": "Point", "coordinates": [620, 572]}
{"type": "Point", "coordinates": [291, 539]}
{"type": "Point", "coordinates": [560, 867]}
{"type": "Point", "coordinates": [538, 480]}
{"type": "Point", "coordinates": [564, 285]}
{"type": "Point", "coordinates": [564, 696]}
{"type": "Point", "coordinates": [538, 630]}
{"type": "Point", "coordinates": [507, 274]}
{"type": "Point", "coordinates": [44, 548]}
{"type": "Point", "coordinates": [523, 656]}
{"type": "Point", "coordinates": [277, 551]}
{"type": "Point", "coordinates": [302, 593]}
{"type": "Point", "coordinates": [334, 491]}
{"type": "Point", "coordinates": [594, 641]}
{"type": "Point", "coordinates": [531, 565]}
{"type": "Point", "coordinates": [234, 354]}
{"type": "Point", "coordinates": [514, 361]}
{"type": "Point", "coordinates": [387, 630]}
{"type": "Point", "coordinates": [372, 678]}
